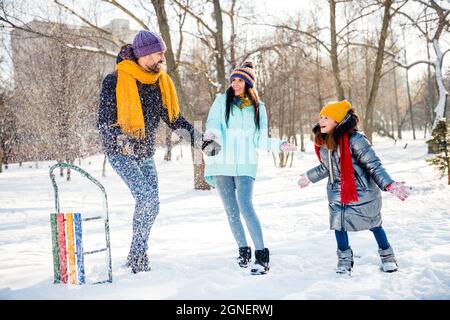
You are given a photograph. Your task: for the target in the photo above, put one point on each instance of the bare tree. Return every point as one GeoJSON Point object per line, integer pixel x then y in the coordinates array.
{"type": "Point", "coordinates": [368, 119]}
{"type": "Point", "coordinates": [441, 14]}
{"type": "Point", "coordinates": [213, 39]}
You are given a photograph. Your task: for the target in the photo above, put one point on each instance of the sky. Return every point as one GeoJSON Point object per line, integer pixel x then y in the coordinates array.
{"type": "Point", "coordinates": [270, 9]}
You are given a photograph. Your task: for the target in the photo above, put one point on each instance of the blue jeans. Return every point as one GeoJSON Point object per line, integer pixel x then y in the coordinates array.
{"type": "Point", "coordinates": [236, 193]}
{"type": "Point", "coordinates": [141, 177]}
{"type": "Point", "coordinates": [378, 232]}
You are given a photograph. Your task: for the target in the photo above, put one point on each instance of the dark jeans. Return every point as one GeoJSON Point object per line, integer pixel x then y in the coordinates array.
{"type": "Point", "coordinates": [378, 232]}
{"type": "Point", "coordinates": [141, 177]}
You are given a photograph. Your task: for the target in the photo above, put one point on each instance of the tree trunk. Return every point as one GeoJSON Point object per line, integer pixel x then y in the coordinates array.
{"type": "Point", "coordinates": [318, 80]}
{"type": "Point", "coordinates": [430, 96]}
{"type": "Point", "coordinates": [172, 67]}
{"type": "Point", "coordinates": [199, 169]}
{"type": "Point", "coordinates": [1, 161]}
{"type": "Point", "coordinates": [442, 103]}
{"type": "Point", "coordinates": [233, 35]}
{"type": "Point", "coordinates": [440, 110]}
{"type": "Point", "coordinates": [104, 167]}
{"type": "Point", "coordinates": [333, 54]}
{"type": "Point", "coordinates": [68, 178]}
{"type": "Point", "coordinates": [220, 50]}
{"type": "Point", "coordinates": [397, 107]}
{"type": "Point", "coordinates": [411, 115]}
{"type": "Point", "coordinates": [368, 120]}
{"type": "Point", "coordinates": [408, 91]}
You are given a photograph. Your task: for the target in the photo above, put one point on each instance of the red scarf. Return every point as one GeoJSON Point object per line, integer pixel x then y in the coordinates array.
{"type": "Point", "coordinates": [348, 186]}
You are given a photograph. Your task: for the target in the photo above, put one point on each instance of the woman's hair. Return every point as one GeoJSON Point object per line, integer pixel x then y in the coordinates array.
{"type": "Point", "coordinates": [250, 92]}
{"type": "Point", "coordinates": [330, 140]}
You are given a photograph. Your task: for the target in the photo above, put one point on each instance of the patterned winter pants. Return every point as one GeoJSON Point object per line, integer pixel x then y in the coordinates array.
{"type": "Point", "coordinates": [141, 178]}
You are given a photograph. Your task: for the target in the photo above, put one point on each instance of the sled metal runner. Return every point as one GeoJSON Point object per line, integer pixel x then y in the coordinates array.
{"type": "Point", "coordinates": [67, 236]}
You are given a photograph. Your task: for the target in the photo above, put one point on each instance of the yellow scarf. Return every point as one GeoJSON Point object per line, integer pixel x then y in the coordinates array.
{"type": "Point", "coordinates": [130, 117]}
{"type": "Point", "coordinates": [244, 101]}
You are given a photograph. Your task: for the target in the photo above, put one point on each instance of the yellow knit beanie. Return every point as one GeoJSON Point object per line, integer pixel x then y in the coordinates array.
{"type": "Point", "coordinates": [336, 110]}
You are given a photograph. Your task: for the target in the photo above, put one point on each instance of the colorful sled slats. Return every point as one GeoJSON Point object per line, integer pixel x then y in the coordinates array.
{"type": "Point", "coordinates": [71, 248]}
{"type": "Point", "coordinates": [55, 249]}
{"type": "Point", "coordinates": [62, 247]}
{"type": "Point", "coordinates": [79, 247]}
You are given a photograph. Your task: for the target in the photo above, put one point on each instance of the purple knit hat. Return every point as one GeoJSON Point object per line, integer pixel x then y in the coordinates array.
{"type": "Point", "coordinates": [146, 42]}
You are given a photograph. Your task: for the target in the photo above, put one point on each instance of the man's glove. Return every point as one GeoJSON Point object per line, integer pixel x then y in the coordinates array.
{"type": "Point", "coordinates": [125, 144]}
{"type": "Point", "coordinates": [211, 148]}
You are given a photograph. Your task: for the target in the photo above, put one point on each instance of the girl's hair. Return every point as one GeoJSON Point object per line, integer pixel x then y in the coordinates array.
{"type": "Point", "coordinates": [250, 92]}
{"type": "Point", "coordinates": [330, 140]}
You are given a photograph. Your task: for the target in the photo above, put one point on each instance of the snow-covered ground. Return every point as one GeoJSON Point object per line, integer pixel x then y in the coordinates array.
{"type": "Point", "coordinates": [192, 251]}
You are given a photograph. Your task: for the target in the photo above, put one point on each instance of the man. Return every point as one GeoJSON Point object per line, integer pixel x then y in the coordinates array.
{"type": "Point", "coordinates": [132, 101]}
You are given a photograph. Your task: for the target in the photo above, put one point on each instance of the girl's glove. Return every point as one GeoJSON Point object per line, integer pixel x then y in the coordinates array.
{"type": "Point", "coordinates": [288, 147]}
{"type": "Point", "coordinates": [303, 181]}
{"type": "Point", "coordinates": [399, 190]}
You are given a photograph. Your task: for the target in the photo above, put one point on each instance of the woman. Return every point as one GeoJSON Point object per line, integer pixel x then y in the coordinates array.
{"type": "Point", "coordinates": [237, 120]}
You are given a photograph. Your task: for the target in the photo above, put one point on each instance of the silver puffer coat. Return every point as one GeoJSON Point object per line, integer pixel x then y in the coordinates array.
{"type": "Point", "coordinates": [370, 177]}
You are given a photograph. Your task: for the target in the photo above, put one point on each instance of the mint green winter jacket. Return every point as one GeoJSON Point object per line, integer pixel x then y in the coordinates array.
{"type": "Point", "coordinates": [239, 141]}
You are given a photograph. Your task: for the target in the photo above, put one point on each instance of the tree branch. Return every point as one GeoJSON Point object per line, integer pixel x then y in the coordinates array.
{"type": "Point", "coordinates": [128, 12]}
{"type": "Point", "coordinates": [115, 39]}
{"type": "Point", "coordinates": [366, 45]}
{"type": "Point", "coordinates": [356, 19]}
{"type": "Point", "coordinates": [273, 47]}
{"type": "Point", "coordinates": [300, 32]}
{"type": "Point", "coordinates": [196, 17]}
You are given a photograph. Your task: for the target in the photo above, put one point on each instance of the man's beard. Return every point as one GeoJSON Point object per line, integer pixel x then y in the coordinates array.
{"type": "Point", "coordinates": [154, 68]}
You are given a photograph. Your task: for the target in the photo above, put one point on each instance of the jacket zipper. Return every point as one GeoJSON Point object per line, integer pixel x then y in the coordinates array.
{"type": "Point", "coordinates": [330, 167]}
{"type": "Point", "coordinates": [342, 205]}
{"type": "Point", "coordinates": [330, 164]}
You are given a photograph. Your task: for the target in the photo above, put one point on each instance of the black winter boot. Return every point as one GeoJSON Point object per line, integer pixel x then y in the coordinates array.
{"type": "Point", "coordinates": [261, 265]}
{"type": "Point", "coordinates": [139, 263]}
{"type": "Point", "coordinates": [245, 255]}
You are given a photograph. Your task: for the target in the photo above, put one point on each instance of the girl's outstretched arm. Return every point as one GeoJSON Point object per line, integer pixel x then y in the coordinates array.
{"type": "Point", "coordinates": [317, 173]}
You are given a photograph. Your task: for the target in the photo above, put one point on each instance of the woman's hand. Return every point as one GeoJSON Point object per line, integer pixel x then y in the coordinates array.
{"type": "Point", "coordinates": [209, 135]}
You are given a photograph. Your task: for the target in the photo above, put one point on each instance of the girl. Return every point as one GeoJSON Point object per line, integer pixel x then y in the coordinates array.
{"type": "Point", "coordinates": [237, 120]}
{"type": "Point", "coordinates": [355, 179]}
